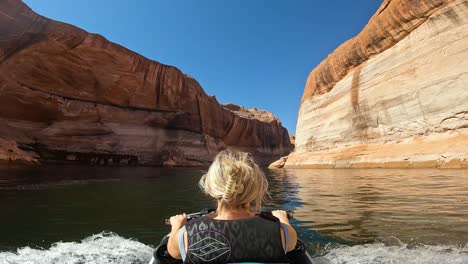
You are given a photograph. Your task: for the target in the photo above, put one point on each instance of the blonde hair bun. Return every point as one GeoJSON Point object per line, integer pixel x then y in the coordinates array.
{"type": "Point", "coordinates": [235, 179]}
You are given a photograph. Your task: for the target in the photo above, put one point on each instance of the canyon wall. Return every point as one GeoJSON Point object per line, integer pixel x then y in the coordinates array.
{"type": "Point", "coordinates": [68, 95]}
{"type": "Point", "coordinates": [396, 95]}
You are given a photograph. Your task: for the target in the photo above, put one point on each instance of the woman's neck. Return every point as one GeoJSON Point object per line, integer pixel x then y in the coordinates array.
{"type": "Point", "coordinates": [233, 213]}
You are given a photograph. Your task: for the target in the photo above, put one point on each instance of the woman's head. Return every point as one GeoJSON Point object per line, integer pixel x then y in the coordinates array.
{"type": "Point", "coordinates": [235, 180]}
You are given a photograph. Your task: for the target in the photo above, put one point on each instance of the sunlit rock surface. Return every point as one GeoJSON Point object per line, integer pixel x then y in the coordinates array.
{"type": "Point", "coordinates": [396, 95]}
{"type": "Point", "coordinates": [10, 153]}
{"type": "Point", "coordinates": [68, 95]}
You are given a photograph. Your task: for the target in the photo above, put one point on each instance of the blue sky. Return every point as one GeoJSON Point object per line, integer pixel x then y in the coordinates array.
{"type": "Point", "coordinates": [255, 53]}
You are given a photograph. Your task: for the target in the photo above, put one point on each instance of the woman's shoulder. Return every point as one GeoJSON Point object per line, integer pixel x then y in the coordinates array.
{"type": "Point", "coordinates": [211, 219]}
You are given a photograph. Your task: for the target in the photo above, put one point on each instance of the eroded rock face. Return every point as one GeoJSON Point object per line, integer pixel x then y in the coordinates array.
{"type": "Point", "coordinates": [70, 95]}
{"type": "Point", "coordinates": [396, 95]}
{"type": "Point", "coordinates": [252, 113]}
{"type": "Point", "coordinates": [10, 153]}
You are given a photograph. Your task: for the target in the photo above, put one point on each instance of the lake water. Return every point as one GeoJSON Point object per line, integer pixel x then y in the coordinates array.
{"type": "Point", "coordinates": [68, 214]}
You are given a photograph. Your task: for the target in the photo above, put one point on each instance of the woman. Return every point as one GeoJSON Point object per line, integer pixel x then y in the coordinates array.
{"type": "Point", "coordinates": [238, 232]}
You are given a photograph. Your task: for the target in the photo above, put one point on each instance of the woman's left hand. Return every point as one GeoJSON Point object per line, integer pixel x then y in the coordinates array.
{"type": "Point", "coordinates": [281, 215]}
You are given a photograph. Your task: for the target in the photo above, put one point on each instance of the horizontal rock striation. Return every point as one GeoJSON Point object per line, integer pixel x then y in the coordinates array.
{"type": "Point", "coordinates": [70, 95]}
{"type": "Point", "coordinates": [393, 96]}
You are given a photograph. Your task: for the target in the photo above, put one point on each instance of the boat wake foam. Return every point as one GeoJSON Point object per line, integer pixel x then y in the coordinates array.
{"type": "Point", "coordinates": [379, 253]}
{"type": "Point", "coordinates": [107, 247]}
{"type": "Point", "coordinates": [104, 247]}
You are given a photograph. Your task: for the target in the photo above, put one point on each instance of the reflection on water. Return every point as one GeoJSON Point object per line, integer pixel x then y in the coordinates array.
{"type": "Point", "coordinates": [421, 206]}
{"type": "Point", "coordinates": [65, 203]}
{"type": "Point", "coordinates": [68, 203]}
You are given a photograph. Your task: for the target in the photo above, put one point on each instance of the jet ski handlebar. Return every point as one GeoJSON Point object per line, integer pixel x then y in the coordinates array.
{"type": "Point", "coordinates": [207, 211]}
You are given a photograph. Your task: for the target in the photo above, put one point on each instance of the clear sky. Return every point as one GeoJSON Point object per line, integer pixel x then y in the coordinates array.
{"type": "Point", "coordinates": [255, 53]}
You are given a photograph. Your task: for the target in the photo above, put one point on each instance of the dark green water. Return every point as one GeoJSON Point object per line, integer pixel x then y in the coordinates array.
{"type": "Point", "coordinates": [370, 211]}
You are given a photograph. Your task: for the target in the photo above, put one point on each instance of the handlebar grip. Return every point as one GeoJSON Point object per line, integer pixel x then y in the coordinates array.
{"type": "Point", "coordinates": [168, 221]}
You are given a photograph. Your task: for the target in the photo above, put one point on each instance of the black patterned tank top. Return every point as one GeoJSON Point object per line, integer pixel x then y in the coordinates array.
{"type": "Point", "coordinates": [255, 239]}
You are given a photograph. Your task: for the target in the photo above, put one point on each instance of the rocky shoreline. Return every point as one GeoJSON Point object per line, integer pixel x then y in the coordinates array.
{"type": "Point", "coordinates": [414, 153]}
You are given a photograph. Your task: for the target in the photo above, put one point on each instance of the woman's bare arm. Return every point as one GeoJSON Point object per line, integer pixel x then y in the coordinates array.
{"type": "Point", "coordinates": [177, 222]}
{"type": "Point", "coordinates": [283, 217]}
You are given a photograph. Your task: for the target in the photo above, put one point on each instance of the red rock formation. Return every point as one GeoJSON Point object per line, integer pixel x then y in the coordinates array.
{"type": "Point", "coordinates": [9, 152]}
{"type": "Point", "coordinates": [252, 113]}
{"type": "Point", "coordinates": [292, 139]}
{"type": "Point", "coordinates": [71, 95]}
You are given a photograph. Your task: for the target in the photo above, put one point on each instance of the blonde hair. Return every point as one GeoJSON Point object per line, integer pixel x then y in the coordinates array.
{"type": "Point", "coordinates": [234, 179]}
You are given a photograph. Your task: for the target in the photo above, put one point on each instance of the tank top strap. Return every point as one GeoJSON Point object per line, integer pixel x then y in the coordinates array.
{"type": "Point", "coordinates": [285, 229]}
{"type": "Point", "coordinates": [181, 243]}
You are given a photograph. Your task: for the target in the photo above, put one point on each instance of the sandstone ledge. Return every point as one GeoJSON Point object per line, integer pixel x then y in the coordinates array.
{"type": "Point", "coordinates": [452, 153]}
{"type": "Point", "coordinates": [10, 153]}
{"type": "Point", "coordinates": [279, 163]}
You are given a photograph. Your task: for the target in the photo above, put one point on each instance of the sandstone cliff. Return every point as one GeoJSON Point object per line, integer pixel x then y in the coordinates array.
{"type": "Point", "coordinates": [395, 95]}
{"type": "Point", "coordinates": [66, 94]}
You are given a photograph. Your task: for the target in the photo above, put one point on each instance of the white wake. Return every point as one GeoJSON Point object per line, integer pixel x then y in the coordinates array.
{"type": "Point", "coordinates": [106, 248]}
{"type": "Point", "coordinates": [379, 253]}
{"type": "Point", "coordinates": [97, 249]}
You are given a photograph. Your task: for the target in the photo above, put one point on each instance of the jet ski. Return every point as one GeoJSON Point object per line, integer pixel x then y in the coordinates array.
{"type": "Point", "coordinates": [160, 256]}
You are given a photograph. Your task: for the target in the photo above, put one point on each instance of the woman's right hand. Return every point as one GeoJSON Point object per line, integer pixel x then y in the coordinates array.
{"type": "Point", "coordinates": [178, 221]}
